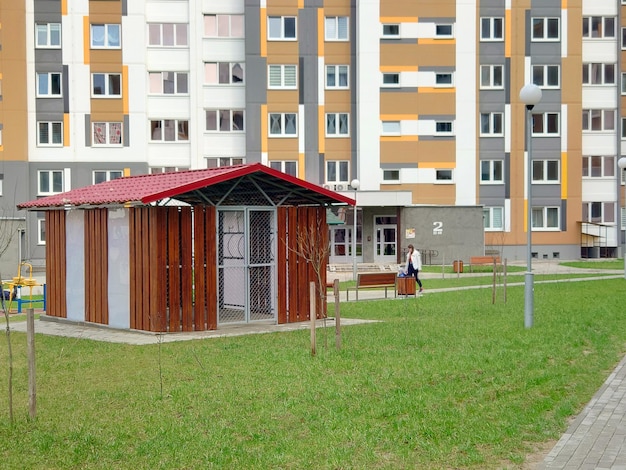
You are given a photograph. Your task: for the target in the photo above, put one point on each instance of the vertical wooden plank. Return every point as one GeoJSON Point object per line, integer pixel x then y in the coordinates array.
{"type": "Point", "coordinates": [132, 277]}
{"type": "Point", "coordinates": [145, 238]}
{"type": "Point", "coordinates": [186, 268]}
{"type": "Point", "coordinates": [210, 236]}
{"type": "Point", "coordinates": [199, 270]}
{"type": "Point", "coordinates": [281, 264]}
{"type": "Point", "coordinates": [150, 264]}
{"type": "Point", "coordinates": [161, 269]}
{"type": "Point", "coordinates": [303, 287]}
{"type": "Point", "coordinates": [311, 238]}
{"type": "Point", "coordinates": [87, 263]}
{"type": "Point", "coordinates": [104, 266]}
{"type": "Point", "coordinates": [292, 262]}
{"type": "Point", "coordinates": [56, 263]}
{"type": "Point", "coordinates": [173, 263]}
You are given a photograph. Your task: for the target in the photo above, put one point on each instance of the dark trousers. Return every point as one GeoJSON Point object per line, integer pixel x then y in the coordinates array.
{"type": "Point", "coordinates": [414, 272]}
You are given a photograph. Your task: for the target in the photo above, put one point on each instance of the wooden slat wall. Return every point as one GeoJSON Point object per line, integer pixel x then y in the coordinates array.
{"type": "Point", "coordinates": [292, 263]}
{"type": "Point", "coordinates": [281, 264]}
{"type": "Point", "coordinates": [158, 266]}
{"type": "Point", "coordinates": [186, 275]}
{"type": "Point", "coordinates": [173, 262]}
{"type": "Point", "coordinates": [210, 221]}
{"type": "Point", "coordinates": [56, 264]}
{"type": "Point", "coordinates": [96, 266]}
{"type": "Point", "coordinates": [205, 269]}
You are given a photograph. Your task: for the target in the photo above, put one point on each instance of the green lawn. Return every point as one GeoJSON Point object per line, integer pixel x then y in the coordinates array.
{"type": "Point", "coordinates": [447, 380]}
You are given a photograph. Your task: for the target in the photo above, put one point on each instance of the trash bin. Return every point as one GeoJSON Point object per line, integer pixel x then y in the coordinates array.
{"type": "Point", "coordinates": [457, 266]}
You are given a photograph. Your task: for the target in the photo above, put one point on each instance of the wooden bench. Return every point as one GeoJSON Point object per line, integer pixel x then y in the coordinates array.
{"type": "Point", "coordinates": [373, 281]}
{"type": "Point", "coordinates": [483, 261]}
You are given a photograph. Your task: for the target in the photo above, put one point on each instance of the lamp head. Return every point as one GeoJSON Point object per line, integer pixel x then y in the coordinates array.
{"type": "Point", "coordinates": [622, 163]}
{"type": "Point", "coordinates": [530, 95]}
{"type": "Point", "coordinates": [355, 183]}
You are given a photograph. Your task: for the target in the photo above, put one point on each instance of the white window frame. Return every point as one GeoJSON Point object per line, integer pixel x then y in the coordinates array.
{"type": "Point", "coordinates": [588, 23]}
{"type": "Point", "coordinates": [390, 75]}
{"type": "Point", "coordinates": [285, 166]}
{"type": "Point", "coordinates": [107, 93]}
{"type": "Point", "coordinates": [489, 217]}
{"type": "Point", "coordinates": [441, 176]}
{"type": "Point", "coordinates": [589, 74]}
{"type": "Point", "coordinates": [109, 175]}
{"type": "Point", "coordinates": [224, 161]}
{"type": "Point", "coordinates": [623, 122]}
{"type": "Point", "coordinates": [281, 36]}
{"type": "Point", "coordinates": [491, 21]}
{"type": "Point", "coordinates": [48, 32]}
{"type": "Point", "coordinates": [41, 231]}
{"type": "Point", "coordinates": [623, 83]}
{"type": "Point", "coordinates": [492, 132]}
{"type": "Point", "coordinates": [598, 166]}
{"type": "Point", "coordinates": [175, 26]}
{"type": "Point", "coordinates": [48, 77]}
{"type": "Point", "coordinates": [488, 72]}
{"type": "Point", "coordinates": [604, 113]}
{"type": "Point", "coordinates": [623, 39]}
{"type": "Point", "coordinates": [441, 35]}
{"type": "Point", "coordinates": [231, 73]}
{"type": "Point", "coordinates": [108, 36]}
{"type": "Point", "coordinates": [283, 122]}
{"type": "Point", "coordinates": [51, 126]}
{"type": "Point", "coordinates": [163, 123]}
{"type": "Point", "coordinates": [493, 167]}
{"type": "Point", "coordinates": [607, 212]}
{"type": "Point", "coordinates": [392, 35]}
{"type": "Point", "coordinates": [282, 68]}
{"type": "Point", "coordinates": [228, 116]}
{"type": "Point", "coordinates": [545, 69]}
{"type": "Point", "coordinates": [50, 189]}
{"type": "Point", "coordinates": [391, 128]}
{"type": "Point", "coordinates": [545, 166]}
{"type": "Point", "coordinates": [544, 210]}
{"type": "Point", "coordinates": [164, 79]}
{"type": "Point", "coordinates": [339, 168]}
{"type": "Point", "coordinates": [109, 127]}
{"type": "Point", "coordinates": [545, 21]}
{"type": "Point", "coordinates": [391, 176]}
{"type": "Point", "coordinates": [335, 70]}
{"type": "Point", "coordinates": [335, 21]}
{"type": "Point", "coordinates": [337, 120]}
{"type": "Point", "coordinates": [449, 128]}
{"type": "Point", "coordinates": [545, 119]}
{"type": "Point", "coordinates": [441, 79]}
{"type": "Point", "coordinates": [220, 33]}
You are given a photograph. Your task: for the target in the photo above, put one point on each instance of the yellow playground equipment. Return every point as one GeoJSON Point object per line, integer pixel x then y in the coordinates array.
{"type": "Point", "coordinates": [18, 282]}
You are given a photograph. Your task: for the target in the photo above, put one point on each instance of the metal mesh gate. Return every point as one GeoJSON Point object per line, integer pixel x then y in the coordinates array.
{"type": "Point", "coordinates": [246, 265]}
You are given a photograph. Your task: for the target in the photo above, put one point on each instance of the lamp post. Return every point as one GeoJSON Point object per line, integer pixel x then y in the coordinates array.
{"type": "Point", "coordinates": [622, 164]}
{"type": "Point", "coordinates": [355, 185]}
{"type": "Point", "coordinates": [530, 95]}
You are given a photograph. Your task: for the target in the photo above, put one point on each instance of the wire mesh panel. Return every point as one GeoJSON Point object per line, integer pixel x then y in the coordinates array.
{"type": "Point", "coordinates": [231, 267]}
{"type": "Point", "coordinates": [262, 242]}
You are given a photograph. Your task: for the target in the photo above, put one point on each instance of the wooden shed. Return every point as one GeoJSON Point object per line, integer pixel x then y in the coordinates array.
{"type": "Point", "coordinates": [186, 251]}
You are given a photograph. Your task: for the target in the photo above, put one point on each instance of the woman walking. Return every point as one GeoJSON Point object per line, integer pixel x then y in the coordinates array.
{"type": "Point", "coordinates": [414, 264]}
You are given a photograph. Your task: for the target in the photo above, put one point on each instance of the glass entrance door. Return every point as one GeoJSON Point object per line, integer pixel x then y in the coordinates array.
{"type": "Point", "coordinates": [386, 239]}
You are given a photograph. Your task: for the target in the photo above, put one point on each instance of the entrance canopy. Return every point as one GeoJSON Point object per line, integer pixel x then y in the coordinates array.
{"type": "Point", "coordinates": [238, 185]}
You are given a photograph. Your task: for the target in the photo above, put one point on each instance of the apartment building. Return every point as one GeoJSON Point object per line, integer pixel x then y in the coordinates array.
{"type": "Point", "coordinates": [418, 100]}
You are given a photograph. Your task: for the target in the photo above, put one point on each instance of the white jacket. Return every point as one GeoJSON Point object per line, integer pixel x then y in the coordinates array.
{"type": "Point", "coordinates": [415, 260]}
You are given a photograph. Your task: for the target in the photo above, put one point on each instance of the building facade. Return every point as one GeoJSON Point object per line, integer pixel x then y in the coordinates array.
{"type": "Point", "coordinates": [418, 100]}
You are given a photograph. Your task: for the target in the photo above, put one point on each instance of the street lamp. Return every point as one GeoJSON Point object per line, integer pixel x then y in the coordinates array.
{"type": "Point", "coordinates": [622, 164]}
{"type": "Point", "coordinates": [530, 95]}
{"type": "Point", "coordinates": [355, 185]}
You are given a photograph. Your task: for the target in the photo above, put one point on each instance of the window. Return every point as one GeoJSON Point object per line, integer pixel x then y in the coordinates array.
{"type": "Point", "coordinates": [1, 182]}
{"type": "Point", "coordinates": [105, 36]}
{"type": "Point", "coordinates": [623, 38]}
{"type": "Point", "coordinates": [282, 77]}
{"type": "Point", "coordinates": [168, 35]}
{"type": "Point", "coordinates": [285, 166]}
{"type": "Point", "coordinates": [599, 212]}
{"type": "Point", "coordinates": [391, 128]}
{"type": "Point", "coordinates": [281, 28]}
{"type": "Point", "coordinates": [215, 162]}
{"type": "Point", "coordinates": [106, 85]}
{"type": "Point", "coordinates": [224, 26]}
{"type": "Point", "coordinates": [169, 130]}
{"type": "Point", "coordinates": [545, 217]}
{"type": "Point", "coordinates": [49, 134]}
{"type": "Point", "coordinates": [623, 128]}
{"type": "Point", "coordinates": [596, 166]}
{"type": "Point", "coordinates": [50, 182]}
{"type": "Point", "coordinates": [491, 171]}
{"type": "Point", "coordinates": [491, 77]}
{"type": "Point", "coordinates": [545, 29]}
{"type": "Point", "coordinates": [169, 83]}
{"type": "Point", "coordinates": [623, 83]}
{"type": "Point", "coordinates": [443, 30]}
{"type": "Point", "coordinates": [283, 124]}
{"type": "Point", "coordinates": [337, 171]}
{"type": "Point", "coordinates": [48, 35]}
{"type": "Point", "coordinates": [224, 120]}
{"type": "Point", "coordinates": [599, 74]}
{"type": "Point", "coordinates": [48, 85]}
{"type": "Point", "coordinates": [545, 171]}
{"type": "Point", "coordinates": [391, 176]}
{"type": "Point", "coordinates": [337, 125]}
{"type": "Point", "coordinates": [443, 176]}
{"type": "Point", "coordinates": [107, 134]}
{"type": "Point", "coordinates": [391, 30]}
{"type": "Point", "coordinates": [492, 29]}
{"type": "Point", "coordinates": [166, 169]}
{"type": "Point", "coordinates": [491, 124]}
{"type": "Point", "coordinates": [100, 176]}
{"type": "Point", "coordinates": [443, 127]}
{"type": "Point", "coordinates": [598, 27]}
{"type": "Point", "coordinates": [493, 218]}
{"type": "Point", "coordinates": [546, 124]}
{"type": "Point", "coordinates": [443, 79]}
{"type": "Point", "coordinates": [223, 73]}
{"type": "Point", "coordinates": [598, 120]}
{"type": "Point", "coordinates": [547, 76]}
{"type": "Point", "coordinates": [337, 76]}
{"type": "Point", "coordinates": [336, 28]}
{"type": "Point", "coordinates": [391, 79]}
{"type": "Point", "coordinates": [41, 231]}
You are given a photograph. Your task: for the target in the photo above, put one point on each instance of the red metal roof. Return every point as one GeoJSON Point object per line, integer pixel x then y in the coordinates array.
{"type": "Point", "coordinates": [251, 184]}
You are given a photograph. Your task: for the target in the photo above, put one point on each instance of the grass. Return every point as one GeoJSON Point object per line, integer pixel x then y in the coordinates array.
{"type": "Point", "coordinates": [445, 381]}
{"type": "Point", "coordinates": [596, 264]}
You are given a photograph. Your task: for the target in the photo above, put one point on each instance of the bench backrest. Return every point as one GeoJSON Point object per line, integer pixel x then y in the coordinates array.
{"type": "Point", "coordinates": [484, 259]}
{"type": "Point", "coordinates": [376, 279]}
